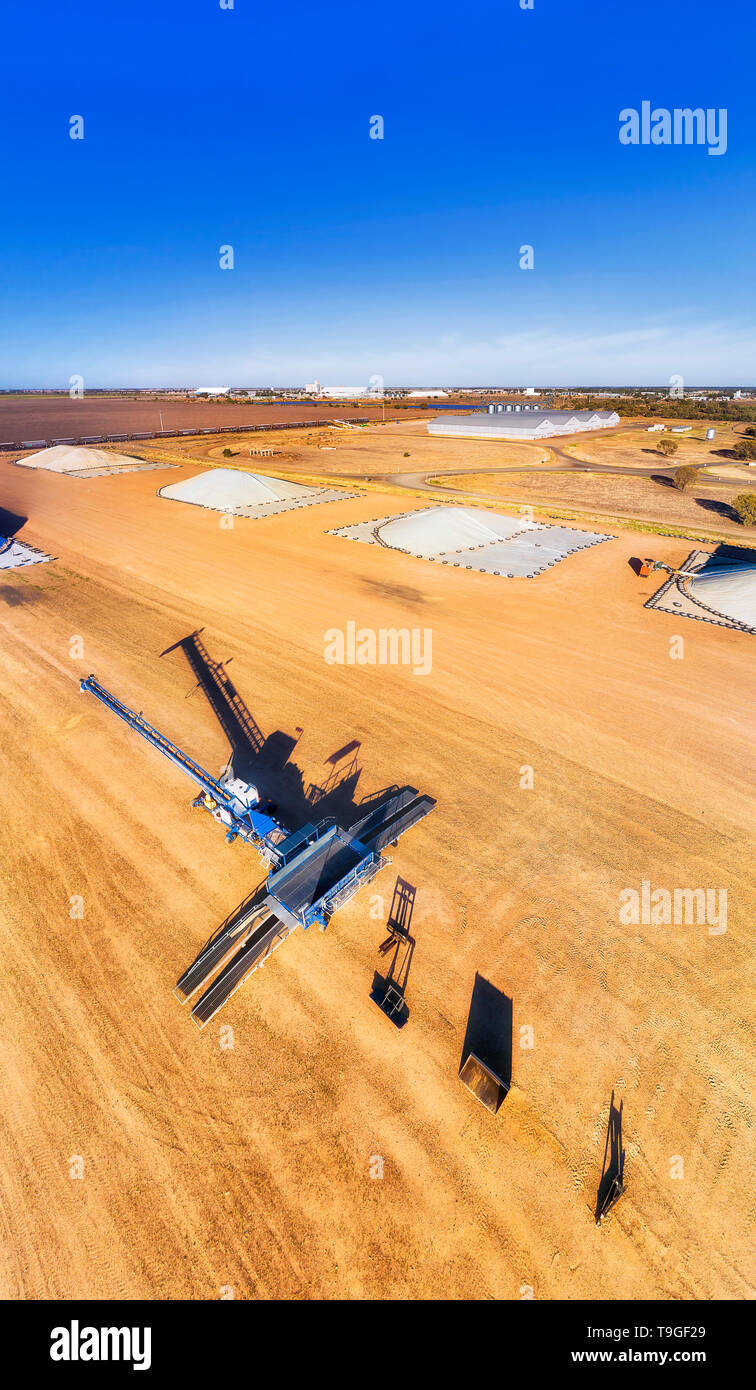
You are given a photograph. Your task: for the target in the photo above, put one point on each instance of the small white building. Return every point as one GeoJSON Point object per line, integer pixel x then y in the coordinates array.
{"type": "Point", "coordinates": [343, 393]}
{"type": "Point", "coordinates": [212, 390]}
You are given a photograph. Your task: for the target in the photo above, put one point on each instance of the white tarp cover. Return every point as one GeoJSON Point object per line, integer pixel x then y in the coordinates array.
{"type": "Point", "coordinates": [221, 488]}
{"type": "Point", "coordinates": [441, 530]}
{"type": "Point", "coordinates": [73, 458]}
{"type": "Point", "coordinates": [512, 547]}
{"type": "Point", "coordinates": [729, 589]}
{"type": "Point", "coordinates": [14, 554]}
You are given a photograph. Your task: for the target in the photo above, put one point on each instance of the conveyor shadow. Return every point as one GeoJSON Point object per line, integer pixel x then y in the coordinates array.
{"type": "Point", "coordinates": [267, 763]}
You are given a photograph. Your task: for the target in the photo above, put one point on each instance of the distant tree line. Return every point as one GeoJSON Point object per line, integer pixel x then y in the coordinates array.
{"type": "Point", "coordinates": [665, 407]}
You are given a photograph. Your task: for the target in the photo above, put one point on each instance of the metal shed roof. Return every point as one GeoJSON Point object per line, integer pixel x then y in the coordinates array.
{"type": "Point", "coordinates": [528, 419]}
{"type": "Point", "coordinates": [527, 424]}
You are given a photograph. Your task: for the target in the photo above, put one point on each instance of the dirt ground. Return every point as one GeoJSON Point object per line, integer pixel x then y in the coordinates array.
{"type": "Point", "coordinates": [395, 447]}
{"type": "Point", "coordinates": [635, 448]}
{"type": "Point", "coordinates": [704, 506]}
{"type": "Point", "coordinates": [250, 1159]}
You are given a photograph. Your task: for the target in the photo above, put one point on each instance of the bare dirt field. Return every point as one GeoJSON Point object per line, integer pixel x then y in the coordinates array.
{"type": "Point", "coordinates": [244, 1159]}
{"type": "Point", "coordinates": [395, 447]}
{"type": "Point", "coordinates": [704, 506]}
{"type": "Point", "coordinates": [46, 417]}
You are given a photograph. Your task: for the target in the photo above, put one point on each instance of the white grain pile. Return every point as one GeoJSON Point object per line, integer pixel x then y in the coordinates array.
{"type": "Point", "coordinates": [443, 530]}
{"type": "Point", "coordinates": [225, 489]}
{"type": "Point", "coordinates": [73, 458]}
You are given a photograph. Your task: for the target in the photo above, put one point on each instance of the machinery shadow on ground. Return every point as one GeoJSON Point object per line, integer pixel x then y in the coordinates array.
{"type": "Point", "coordinates": [266, 761]}
{"type": "Point", "coordinates": [388, 991]}
{"type": "Point", "coordinates": [10, 523]}
{"type": "Point", "coordinates": [489, 1032]}
{"type": "Point", "coordinates": [611, 1186]}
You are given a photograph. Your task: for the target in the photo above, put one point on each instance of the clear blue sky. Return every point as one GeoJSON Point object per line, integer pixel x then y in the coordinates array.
{"type": "Point", "coordinates": [250, 127]}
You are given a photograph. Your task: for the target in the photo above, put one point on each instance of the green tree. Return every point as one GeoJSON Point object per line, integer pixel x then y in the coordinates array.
{"type": "Point", "coordinates": [745, 449]}
{"type": "Point", "coordinates": [745, 507]}
{"type": "Point", "coordinates": [228, 453]}
{"type": "Point", "coordinates": [668, 447]}
{"type": "Point", "coordinates": [684, 476]}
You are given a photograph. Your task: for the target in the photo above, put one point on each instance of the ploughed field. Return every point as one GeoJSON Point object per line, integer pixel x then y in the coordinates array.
{"type": "Point", "coordinates": [48, 417]}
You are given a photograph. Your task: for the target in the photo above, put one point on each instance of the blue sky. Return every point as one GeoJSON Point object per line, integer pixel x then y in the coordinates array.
{"type": "Point", "coordinates": [206, 127]}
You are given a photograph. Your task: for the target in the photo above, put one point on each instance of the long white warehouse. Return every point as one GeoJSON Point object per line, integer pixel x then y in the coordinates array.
{"type": "Point", "coordinates": [525, 424]}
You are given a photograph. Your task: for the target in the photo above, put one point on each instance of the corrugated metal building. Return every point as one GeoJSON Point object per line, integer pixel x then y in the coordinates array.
{"type": "Point", "coordinates": [530, 424]}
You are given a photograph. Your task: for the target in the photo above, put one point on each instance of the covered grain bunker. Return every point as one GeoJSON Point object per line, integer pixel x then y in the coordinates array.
{"type": "Point", "coordinates": [14, 554]}
{"type": "Point", "coordinates": [728, 590]}
{"type": "Point", "coordinates": [232, 487]}
{"type": "Point", "coordinates": [246, 494]}
{"type": "Point", "coordinates": [446, 530]}
{"type": "Point", "coordinates": [474, 538]}
{"type": "Point", "coordinates": [81, 462]}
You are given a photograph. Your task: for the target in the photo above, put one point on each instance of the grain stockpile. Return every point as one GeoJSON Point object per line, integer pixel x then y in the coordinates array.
{"type": "Point", "coordinates": [512, 546]}
{"type": "Point", "coordinates": [82, 462]}
{"type": "Point", "coordinates": [246, 494]}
